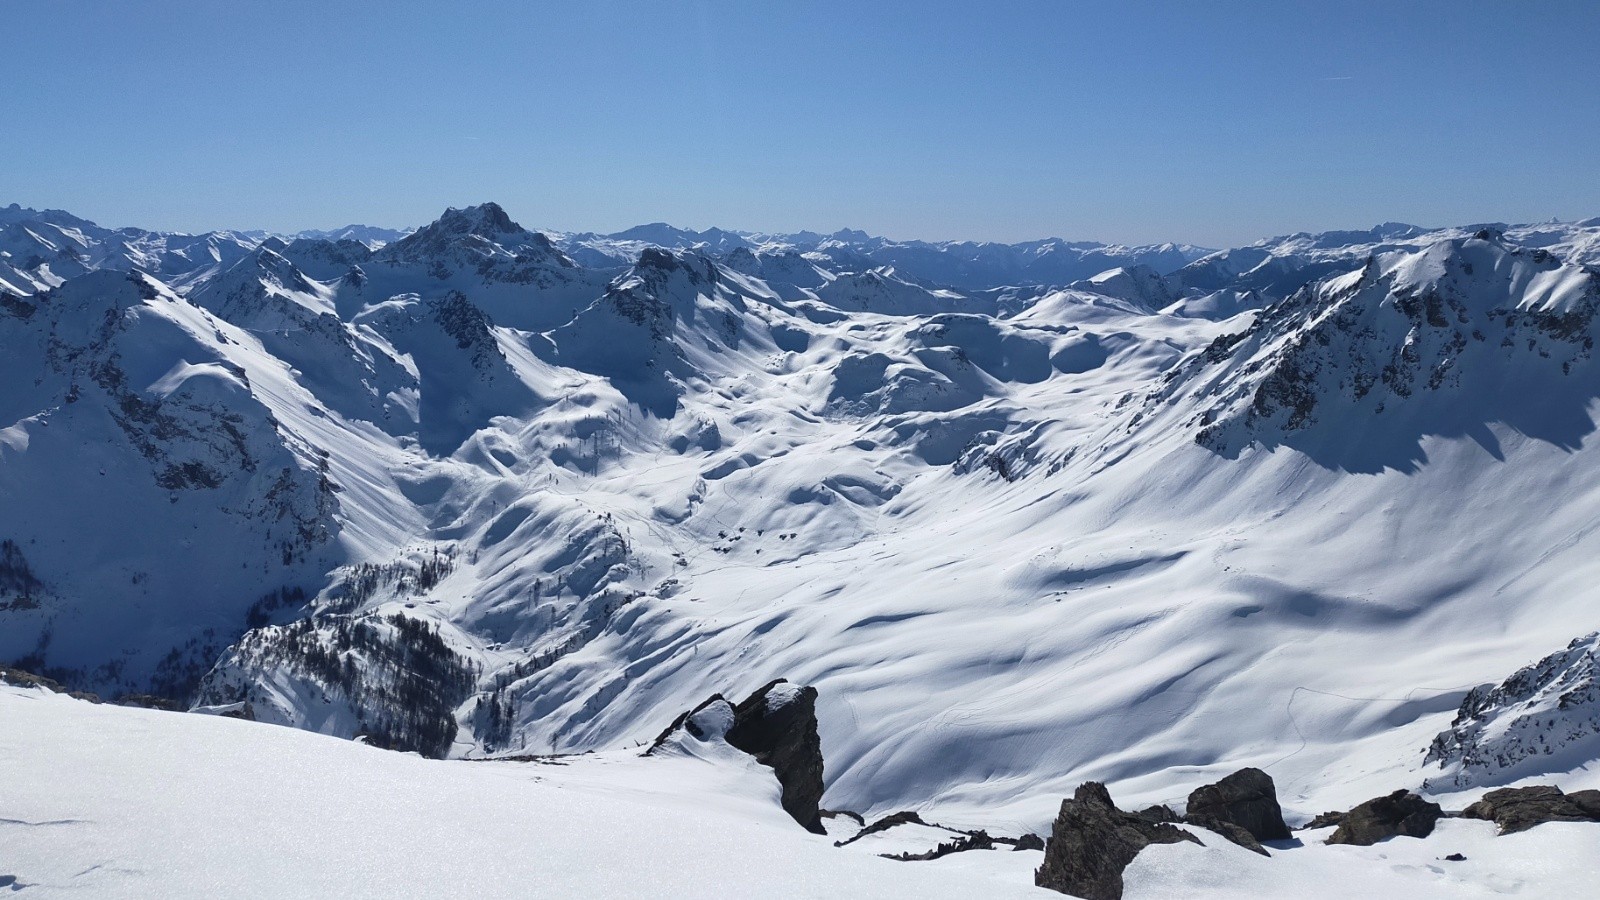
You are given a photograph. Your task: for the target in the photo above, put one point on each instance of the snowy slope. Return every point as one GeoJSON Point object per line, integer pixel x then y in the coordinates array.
{"type": "Point", "coordinates": [127, 802]}
{"type": "Point", "coordinates": [133, 803]}
{"type": "Point", "coordinates": [1142, 529]}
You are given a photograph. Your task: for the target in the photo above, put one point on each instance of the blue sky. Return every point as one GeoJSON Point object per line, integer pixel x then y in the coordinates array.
{"type": "Point", "coordinates": [1209, 122]}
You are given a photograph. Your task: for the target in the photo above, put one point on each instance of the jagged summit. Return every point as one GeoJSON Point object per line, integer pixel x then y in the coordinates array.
{"type": "Point", "coordinates": [486, 221]}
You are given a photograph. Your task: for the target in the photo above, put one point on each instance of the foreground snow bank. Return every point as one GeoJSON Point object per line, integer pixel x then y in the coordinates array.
{"type": "Point", "coordinates": [114, 802]}
{"type": "Point", "coordinates": [119, 802]}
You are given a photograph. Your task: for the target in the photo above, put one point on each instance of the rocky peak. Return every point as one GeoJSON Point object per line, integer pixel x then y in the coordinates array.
{"type": "Point", "coordinates": [1539, 719]}
{"type": "Point", "coordinates": [671, 276]}
{"type": "Point", "coordinates": [485, 220]}
{"type": "Point", "coordinates": [1452, 318]}
{"type": "Point", "coordinates": [481, 237]}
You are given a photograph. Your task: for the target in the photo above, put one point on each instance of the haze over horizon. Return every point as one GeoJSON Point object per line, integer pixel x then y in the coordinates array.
{"type": "Point", "coordinates": [1151, 122]}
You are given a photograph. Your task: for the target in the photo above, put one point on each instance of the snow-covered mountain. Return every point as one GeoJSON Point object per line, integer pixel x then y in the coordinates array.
{"type": "Point", "coordinates": [1024, 516]}
{"type": "Point", "coordinates": [965, 265]}
{"type": "Point", "coordinates": [40, 249]}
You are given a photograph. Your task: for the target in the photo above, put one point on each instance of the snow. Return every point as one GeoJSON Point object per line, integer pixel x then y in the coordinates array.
{"type": "Point", "coordinates": [124, 803]}
{"type": "Point", "coordinates": [1017, 537]}
{"type": "Point", "coordinates": [1553, 860]}
{"type": "Point", "coordinates": [129, 802]}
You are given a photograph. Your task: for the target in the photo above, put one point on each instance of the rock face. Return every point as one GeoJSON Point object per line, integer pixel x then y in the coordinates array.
{"type": "Point", "coordinates": [1544, 718]}
{"type": "Point", "coordinates": [1518, 809]}
{"type": "Point", "coordinates": [1247, 798]}
{"type": "Point", "coordinates": [1401, 813]}
{"type": "Point", "coordinates": [1234, 833]}
{"type": "Point", "coordinates": [778, 726]}
{"type": "Point", "coordinates": [1588, 801]}
{"type": "Point", "coordinates": [1093, 841]}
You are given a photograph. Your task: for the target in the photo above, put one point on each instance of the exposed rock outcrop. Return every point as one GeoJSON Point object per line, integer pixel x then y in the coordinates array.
{"type": "Point", "coordinates": [778, 726]}
{"type": "Point", "coordinates": [1400, 814]}
{"type": "Point", "coordinates": [1029, 841]}
{"type": "Point", "coordinates": [24, 679]}
{"type": "Point", "coordinates": [1247, 798]}
{"type": "Point", "coordinates": [1234, 833]}
{"type": "Point", "coordinates": [977, 840]}
{"type": "Point", "coordinates": [903, 817]}
{"type": "Point", "coordinates": [1324, 820]}
{"type": "Point", "coordinates": [1544, 718]}
{"type": "Point", "coordinates": [1092, 841]}
{"type": "Point", "coordinates": [1159, 813]}
{"type": "Point", "coordinates": [1518, 809]}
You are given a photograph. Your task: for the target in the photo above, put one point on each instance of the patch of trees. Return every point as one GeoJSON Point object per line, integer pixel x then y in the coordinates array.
{"type": "Point", "coordinates": [261, 612]}
{"type": "Point", "coordinates": [363, 581]}
{"type": "Point", "coordinates": [19, 587]}
{"type": "Point", "coordinates": [396, 670]}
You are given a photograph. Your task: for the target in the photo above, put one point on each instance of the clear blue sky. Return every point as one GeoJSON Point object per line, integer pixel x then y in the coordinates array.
{"type": "Point", "coordinates": [1209, 122]}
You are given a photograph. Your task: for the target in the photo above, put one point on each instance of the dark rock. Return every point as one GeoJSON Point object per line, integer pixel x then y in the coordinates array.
{"type": "Point", "coordinates": [1518, 809]}
{"type": "Point", "coordinates": [1401, 813]}
{"type": "Point", "coordinates": [1588, 801]}
{"type": "Point", "coordinates": [778, 726]}
{"type": "Point", "coordinates": [1029, 841]}
{"type": "Point", "coordinates": [904, 817]}
{"type": "Point", "coordinates": [1248, 799]}
{"type": "Point", "coordinates": [1324, 820]}
{"type": "Point", "coordinates": [1455, 857]}
{"type": "Point", "coordinates": [1158, 813]}
{"type": "Point", "coordinates": [1233, 832]}
{"type": "Point", "coordinates": [977, 840]}
{"type": "Point", "coordinates": [1092, 842]}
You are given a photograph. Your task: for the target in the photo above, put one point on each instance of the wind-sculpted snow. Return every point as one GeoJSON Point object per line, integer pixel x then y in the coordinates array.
{"type": "Point", "coordinates": [978, 521]}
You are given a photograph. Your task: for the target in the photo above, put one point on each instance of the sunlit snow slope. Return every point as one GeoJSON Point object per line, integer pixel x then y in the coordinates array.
{"type": "Point", "coordinates": [484, 490]}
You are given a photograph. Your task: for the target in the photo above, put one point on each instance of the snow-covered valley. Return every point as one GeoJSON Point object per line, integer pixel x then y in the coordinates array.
{"type": "Point", "coordinates": [1024, 516]}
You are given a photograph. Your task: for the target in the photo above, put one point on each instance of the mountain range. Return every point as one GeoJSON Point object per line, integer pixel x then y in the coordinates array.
{"type": "Point", "coordinates": [1023, 515]}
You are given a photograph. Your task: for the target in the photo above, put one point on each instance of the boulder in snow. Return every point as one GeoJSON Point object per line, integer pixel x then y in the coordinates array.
{"type": "Point", "coordinates": [1092, 841]}
{"type": "Point", "coordinates": [1518, 809]}
{"type": "Point", "coordinates": [1400, 814]}
{"type": "Point", "coordinates": [1247, 798]}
